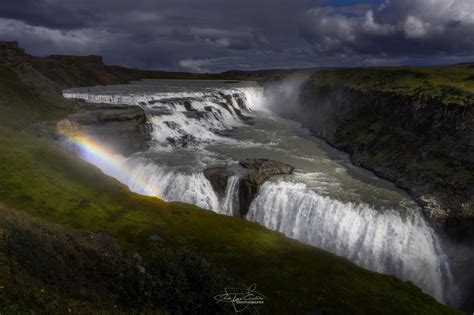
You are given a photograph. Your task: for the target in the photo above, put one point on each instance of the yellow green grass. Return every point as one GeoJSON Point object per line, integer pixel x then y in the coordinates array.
{"type": "Point", "coordinates": [451, 85]}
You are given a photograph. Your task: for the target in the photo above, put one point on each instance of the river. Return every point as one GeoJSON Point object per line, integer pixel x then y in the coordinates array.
{"type": "Point", "coordinates": [327, 202]}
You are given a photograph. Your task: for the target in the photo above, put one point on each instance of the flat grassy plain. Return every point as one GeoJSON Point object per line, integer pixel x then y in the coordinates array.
{"type": "Point", "coordinates": [452, 85]}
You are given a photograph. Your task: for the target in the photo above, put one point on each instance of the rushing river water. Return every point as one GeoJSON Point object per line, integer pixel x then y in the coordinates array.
{"type": "Point", "coordinates": [327, 202]}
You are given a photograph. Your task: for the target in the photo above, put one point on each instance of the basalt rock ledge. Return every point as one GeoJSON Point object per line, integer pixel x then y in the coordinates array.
{"type": "Point", "coordinates": [123, 128]}
{"type": "Point", "coordinates": [253, 173]}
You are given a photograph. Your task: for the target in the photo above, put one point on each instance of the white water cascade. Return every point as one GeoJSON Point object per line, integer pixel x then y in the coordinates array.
{"type": "Point", "coordinates": [384, 241]}
{"type": "Point", "coordinates": [229, 202]}
{"type": "Point", "coordinates": [186, 123]}
{"type": "Point", "coordinates": [180, 120]}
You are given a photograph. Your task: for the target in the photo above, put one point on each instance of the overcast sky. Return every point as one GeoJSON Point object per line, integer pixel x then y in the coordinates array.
{"type": "Point", "coordinates": [218, 35]}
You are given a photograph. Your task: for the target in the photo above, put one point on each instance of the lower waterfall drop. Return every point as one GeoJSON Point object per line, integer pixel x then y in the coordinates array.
{"type": "Point", "coordinates": [383, 241]}
{"type": "Point", "coordinates": [228, 204]}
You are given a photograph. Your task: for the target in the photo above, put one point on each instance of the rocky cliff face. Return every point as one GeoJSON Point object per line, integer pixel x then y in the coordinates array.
{"type": "Point", "coordinates": [9, 52]}
{"type": "Point", "coordinates": [423, 145]}
{"type": "Point", "coordinates": [254, 173]}
{"type": "Point", "coordinates": [123, 128]}
{"type": "Point", "coordinates": [259, 170]}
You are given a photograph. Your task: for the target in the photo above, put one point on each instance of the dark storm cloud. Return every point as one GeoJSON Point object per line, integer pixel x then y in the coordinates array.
{"type": "Point", "coordinates": [396, 28]}
{"type": "Point", "coordinates": [56, 15]}
{"type": "Point", "coordinates": [216, 35]}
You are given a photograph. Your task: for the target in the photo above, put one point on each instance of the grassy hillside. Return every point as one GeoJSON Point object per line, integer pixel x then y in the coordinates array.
{"type": "Point", "coordinates": [49, 196]}
{"type": "Point", "coordinates": [21, 106]}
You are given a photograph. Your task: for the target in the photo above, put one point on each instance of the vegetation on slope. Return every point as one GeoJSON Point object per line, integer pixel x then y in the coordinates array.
{"type": "Point", "coordinates": [39, 179]}
{"type": "Point", "coordinates": [452, 85]}
{"type": "Point", "coordinates": [22, 106]}
{"type": "Point", "coordinates": [46, 267]}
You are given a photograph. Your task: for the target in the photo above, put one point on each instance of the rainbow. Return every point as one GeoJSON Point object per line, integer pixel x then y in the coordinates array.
{"type": "Point", "coordinates": [110, 163]}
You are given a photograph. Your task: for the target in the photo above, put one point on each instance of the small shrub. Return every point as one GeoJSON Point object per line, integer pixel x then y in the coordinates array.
{"type": "Point", "coordinates": [185, 283]}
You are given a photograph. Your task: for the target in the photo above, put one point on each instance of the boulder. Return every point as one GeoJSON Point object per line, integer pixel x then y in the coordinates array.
{"type": "Point", "coordinates": [254, 173]}
{"type": "Point", "coordinates": [218, 176]}
{"type": "Point", "coordinates": [189, 106]}
{"type": "Point", "coordinates": [259, 170]}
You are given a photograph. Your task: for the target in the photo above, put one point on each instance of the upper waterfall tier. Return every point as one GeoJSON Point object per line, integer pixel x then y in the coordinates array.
{"type": "Point", "coordinates": [184, 118]}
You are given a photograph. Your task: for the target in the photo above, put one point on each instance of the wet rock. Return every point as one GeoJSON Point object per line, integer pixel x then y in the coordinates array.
{"type": "Point", "coordinates": [171, 124]}
{"type": "Point", "coordinates": [254, 173]}
{"type": "Point", "coordinates": [218, 176]}
{"type": "Point", "coordinates": [120, 128]}
{"type": "Point", "coordinates": [227, 98]}
{"type": "Point", "coordinates": [183, 142]}
{"type": "Point", "coordinates": [259, 171]}
{"type": "Point", "coordinates": [214, 111]}
{"type": "Point", "coordinates": [226, 106]}
{"type": "Point", "coordinates": [196, 114]}
{"type": "Point", "coordinates": [238, 111]}
{"type": "Point", "coordinates": [240, 101]}
{"type": "Point", "coordinates": [158, 111]}
{"type": "Point", "coordinates": [189, 106]}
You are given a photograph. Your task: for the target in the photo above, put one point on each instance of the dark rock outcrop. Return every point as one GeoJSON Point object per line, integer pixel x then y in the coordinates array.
{"type": "Point", "coordinates": [218, 176]}
{"type": "Point", "coordinates": [123, 129]}
{"type": "Point", "coordinates": [259, 170]}
{"type": "Point", "coordinates": [239, 101]}
{"type": "Point", "coordinates": [254, 173]}
{"type": "Point", "coordinates": [189, 106]}
{"type": "Point", "coordinates": [10, 53]}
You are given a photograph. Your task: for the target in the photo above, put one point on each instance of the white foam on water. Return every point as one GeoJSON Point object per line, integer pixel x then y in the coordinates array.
{"type": "Point", "coordinates": [383, 241]}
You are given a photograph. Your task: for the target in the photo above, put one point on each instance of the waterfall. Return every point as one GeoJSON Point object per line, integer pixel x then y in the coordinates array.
{"type": "Point", "coordinates": [170, 184]}
{"type": "Point", "coordinates": [386, 241]}
{"type": "Point", "coordinates": [182, 119]}
{"type": "Point", "coordinates": [179, 119]}
{"type": "Point", "coordinates": [390, 242]}
{"type": "Point", "coordinates": [229, 203]}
